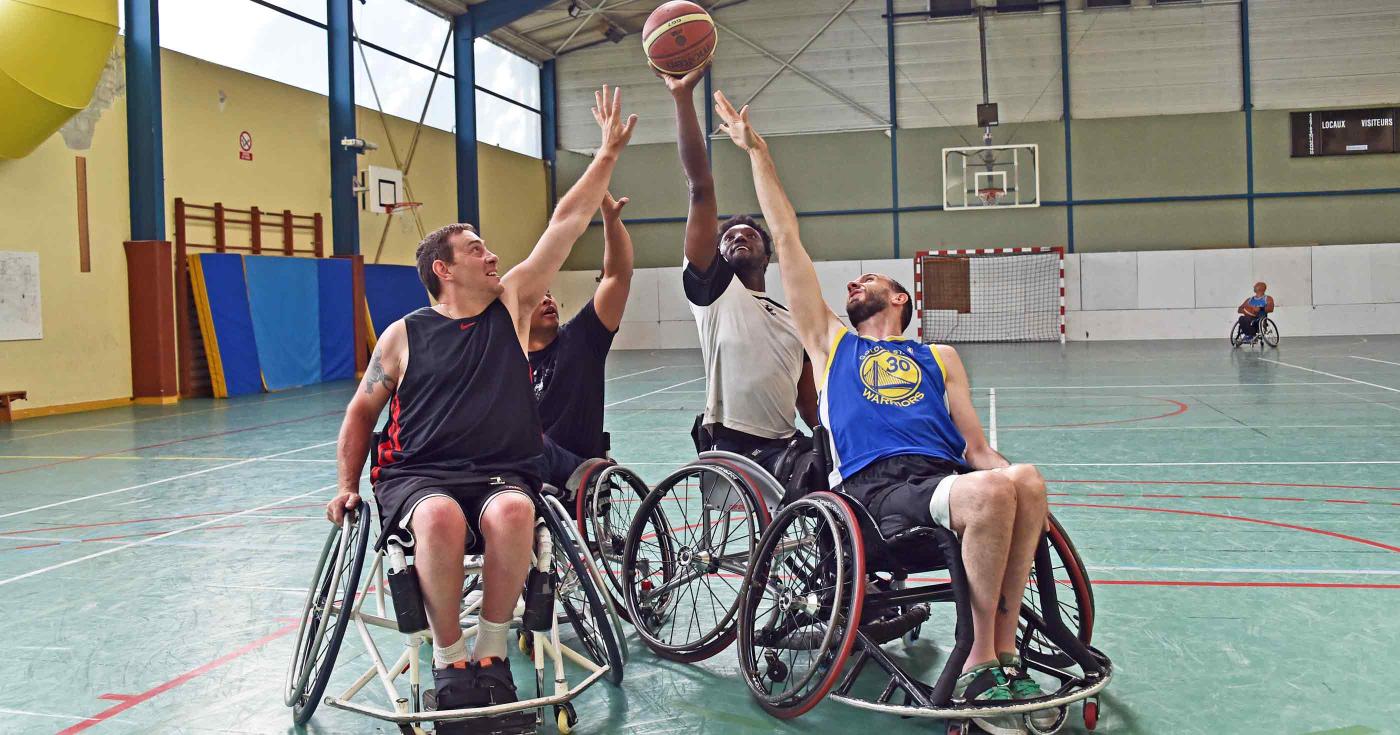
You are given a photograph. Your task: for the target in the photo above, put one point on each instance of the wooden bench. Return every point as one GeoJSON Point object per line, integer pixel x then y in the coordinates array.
{"type": "Point", "coordinates": [6, 398]}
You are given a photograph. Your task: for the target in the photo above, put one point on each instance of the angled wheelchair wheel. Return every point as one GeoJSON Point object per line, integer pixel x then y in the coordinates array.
{"type": "Point", "coordinates": [605, 511]}
{"type": "Point", "coordinates": [1236, 335]}
{"type": "Point", "coordinates": [1268, 333]}
{"type": "Point", "coordinates": [1074, 597]}
{"type": "Point", "coordinates": [802, 604]}
{"type": "Point", "coordinates": [326, 615]}
{"type": "Point", "coordinates": [687, 551]}
{"type": "Point", "coordinates": [579, 594]}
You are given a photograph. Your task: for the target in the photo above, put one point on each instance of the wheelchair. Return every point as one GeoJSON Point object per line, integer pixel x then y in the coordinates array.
{"type": "Point", "coordinates": [565, 590]}
{"type": "Point", "coordinates": [1265, 335]}
{"type": "Point", "coordinates": [813, 585]}
{"type": "Point", "coordinates": [601, 497]}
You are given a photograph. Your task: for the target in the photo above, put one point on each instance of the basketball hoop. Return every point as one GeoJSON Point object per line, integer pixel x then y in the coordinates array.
{"type": "Point", "coordinates": [401, 207]}
{"type": "Point", "coordinates": [990, 196]}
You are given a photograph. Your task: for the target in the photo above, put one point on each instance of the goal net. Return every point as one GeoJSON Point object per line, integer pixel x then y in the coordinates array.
{"type": "Point", "coordinates": [990, 295]}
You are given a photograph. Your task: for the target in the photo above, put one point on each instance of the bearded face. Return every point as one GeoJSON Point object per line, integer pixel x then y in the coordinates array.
{"type": "Point", "coordinates": [865, 298]}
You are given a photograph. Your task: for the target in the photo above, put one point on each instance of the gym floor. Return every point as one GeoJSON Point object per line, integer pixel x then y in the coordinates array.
{"type": "Point", "coordinates": [1239, 513]}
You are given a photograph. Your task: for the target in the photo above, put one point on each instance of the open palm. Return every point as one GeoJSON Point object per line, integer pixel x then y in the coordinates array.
{"type": "Point", "coordinates": [736, 124]}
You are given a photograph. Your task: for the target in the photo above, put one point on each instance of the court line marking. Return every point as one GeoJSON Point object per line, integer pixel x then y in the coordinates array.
{"type": "Point", "coordinates": [1236, 570]}
{"type": "Point", "coordinates": [1242, 519]}
{"type": "Point", "coordinates": [1194, 464]}
{"type": "Point", "coordinates": [161, 481]}
{"type": "Point", "coordinates": [644, 372]}
{"type": "Point", "coordinates": [1242, 483]}
{"type": "Point", "coordinates": [992, 412]}
{"type": "Point", "coordinates": [1373, 402]}
{"type": "Point", "coordinates": [8, 711]}
{"type": "Point", "coordinates": [1199, 427]}
{"type": "Point", "coordinates": [1164, 385]}
{"type": "Point", "coordinates": [1332, 375]}
{"type": "Point", "coordinates": [1372, 359]}
{"type": "Point", "coordinates": [166, 535]}
{"type": "Point", "coordinates": [652, 393]}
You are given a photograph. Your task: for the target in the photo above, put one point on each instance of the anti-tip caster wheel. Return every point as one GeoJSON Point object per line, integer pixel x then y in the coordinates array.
{"type": "Point", "coordinates": [1091, 714]}
{"type": "Point", "coordinates": [565, 718]}
{"type": "Point", "coordinates": [1061, 716]}
{"type": "Point", "coordinates": [526, 643]}
{"type": "Point", "coordinates": [959, 727]}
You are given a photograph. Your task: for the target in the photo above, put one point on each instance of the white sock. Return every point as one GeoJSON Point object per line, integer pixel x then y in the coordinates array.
{"type": "Point", "coordinates": [490, 639]}
{"type": "Point", "coordinates": [444, 657]}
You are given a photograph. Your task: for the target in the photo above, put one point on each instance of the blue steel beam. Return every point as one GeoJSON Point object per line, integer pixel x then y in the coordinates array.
{"type": "Point", "coordinates": [1069, 138]}
{"type": "Point", "coordinates": [494, 14]}
{"type": "Point", "coordinates": [1248, 116]}
{"type": "Point", "coordinates": [894, 121]}
{"type": "Point", "coordinates": [345, 208]}
{"type": "Point", "coordinates": [549, 132]}
{"type": "Point", "coordinates": [145, 149]}
{"type": "Point", "coordinates": [464, 87]}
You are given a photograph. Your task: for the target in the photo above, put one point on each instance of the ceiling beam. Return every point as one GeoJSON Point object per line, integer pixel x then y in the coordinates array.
{"type": "Point", "coordinates": [494, 14]}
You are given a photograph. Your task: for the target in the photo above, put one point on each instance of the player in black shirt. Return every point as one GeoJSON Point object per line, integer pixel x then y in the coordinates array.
{"type": "Point", "coordinates": [457, 461]}
{"type": "Point", "coordinates": [567, 361]}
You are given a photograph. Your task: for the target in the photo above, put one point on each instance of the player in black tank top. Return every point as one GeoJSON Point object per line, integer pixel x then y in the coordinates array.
{"type": "Point", "coordinates": [456, 463]}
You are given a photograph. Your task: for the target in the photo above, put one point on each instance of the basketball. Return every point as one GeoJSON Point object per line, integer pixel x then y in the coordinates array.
{"type": "Point", "coordinates": [678, 38]}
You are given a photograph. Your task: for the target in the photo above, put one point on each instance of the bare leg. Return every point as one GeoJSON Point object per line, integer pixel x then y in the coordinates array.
{"type": "Point", "coordinates": [440, 538]}
{"type": "Point", "coordinates": [508, 526]}
{"type": "Point", "coordinates": [1025, 536]}
{"type": "Point", "coordinates": [983, 506]}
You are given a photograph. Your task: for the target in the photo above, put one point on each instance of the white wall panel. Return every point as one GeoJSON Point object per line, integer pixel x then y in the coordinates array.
{"type": "Point", "coordinates": [572, 289]}
{"type": "Point", "coordinates": [1385, 273]}
{"type": "Point", "coordinates": [834, 275]}
{"type": "Point", "coordinates": [1288, 273]}
{"type": "Point", "coordinates": [677, 335]}
{"type": "Point", "coordinates": [672, 305]}
{"type": "Point", "coordinates": [1072, 282]}
{"type": "Point", "coordinates": [1342, 275]}
{"type": "Point", "coordinates": [1309, 54]}
{"type": "Point", "coordinates": [642, 302]}
{"type": "Point", "coordinates": [1108, 281]}
{"type": "Point", "coordinates": [1223, 277]}
{"type": "Point", "coordinates": [1166, 280]}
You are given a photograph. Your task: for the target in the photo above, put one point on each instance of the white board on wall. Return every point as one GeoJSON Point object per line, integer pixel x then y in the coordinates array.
{"type": "Point", "coordinates": [20, 316]}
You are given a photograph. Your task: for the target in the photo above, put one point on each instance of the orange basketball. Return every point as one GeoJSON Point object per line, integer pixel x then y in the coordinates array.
{"type": "Point", "coordinates": [678, 37]}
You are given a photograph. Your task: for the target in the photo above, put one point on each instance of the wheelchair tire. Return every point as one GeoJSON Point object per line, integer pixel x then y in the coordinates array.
{"type": "Point", "coordinates": [1269, 333]}
{"type": "Point", "coordinates": [670, 557]}
{"type": "Point", "coordinates": [578, 593]}
{"type": "Point", "coordinates": [322, 629]}
{"type": "Point", "coordinates": [1077, 612]}
{"type": "Point", "coordinates": [605, 507]}
{"type": "Point", "coordinates": [1236, 334]}
{"type": "Point", "coordinates": [802, 604]}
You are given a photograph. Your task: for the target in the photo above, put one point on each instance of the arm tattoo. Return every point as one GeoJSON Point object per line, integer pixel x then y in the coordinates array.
{"type": "Point", "coordinates": [376, 374]}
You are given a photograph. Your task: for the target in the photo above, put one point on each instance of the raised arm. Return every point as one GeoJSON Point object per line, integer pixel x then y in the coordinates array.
{"type": "Point", "coordinates": [816, 324]}
{"type": "Point", "coordinates": [1270, 307]}
{"type": "Point", "coordinates": [382, 377]}
{"type": "Point", "coordinates": [611, 297]}
{"type": "Point", "coordinates": [980, 455]}
{"type": "Point", "coordinates": [526, 283]}
{"type": "Point", "coordinates": [702, 221]}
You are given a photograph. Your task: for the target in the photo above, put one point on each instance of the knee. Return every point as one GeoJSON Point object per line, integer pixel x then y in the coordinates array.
{"type": "Point", "coordinates": [1030, 484]}
{"type": "Point", "coordinates": [511, 513]}
{"type": "Point", "coordinates": [993, 497]}
{"type": "Point", "coordinates": [439, 518]}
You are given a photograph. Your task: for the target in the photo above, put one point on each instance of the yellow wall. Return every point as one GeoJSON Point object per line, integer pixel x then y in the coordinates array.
{"type": "Point", "coordinates": [85, 353]}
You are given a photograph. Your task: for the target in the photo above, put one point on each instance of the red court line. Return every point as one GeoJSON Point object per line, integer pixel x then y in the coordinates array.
{"type": "Point", "coordinates": [169, 443]}
{"type": "Point", "coordinates": [1227, 482]}
{"type": "Point", "coordinates": [1206, 583]}
{"type": "Point", "coordinates": [135, 699]}
{"type": "Point", "coordinates": [1245, 519]}
{"type": "Point", "coordinates": [144, 520]}
{"type": "Point", "coordinates": [1180, 409]}
{"type": "Point", "coordinates": [1214, 497]}
{"type": "Point", "coordinates": [279, 521]}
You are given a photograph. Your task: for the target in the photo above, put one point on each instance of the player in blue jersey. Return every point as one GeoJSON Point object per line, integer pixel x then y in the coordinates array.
{"type": "Point", "coordinates": [906, 441]}
{"type": "Point", "coordinates": [1253, 311]}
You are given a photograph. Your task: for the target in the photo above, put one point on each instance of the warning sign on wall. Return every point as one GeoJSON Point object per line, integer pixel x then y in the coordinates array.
{"type": "Point", "coordinates": [245, 145]}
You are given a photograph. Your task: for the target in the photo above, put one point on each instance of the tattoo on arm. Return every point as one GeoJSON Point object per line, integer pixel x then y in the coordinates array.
{"type": "Point", "coordinates": [376, 375]}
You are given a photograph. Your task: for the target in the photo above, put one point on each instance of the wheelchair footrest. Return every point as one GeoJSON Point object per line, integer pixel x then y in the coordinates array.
{"type": "Point", "coordinates": [522, 722]}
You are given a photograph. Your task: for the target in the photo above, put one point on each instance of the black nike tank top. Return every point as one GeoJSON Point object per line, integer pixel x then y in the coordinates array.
{"type": "Point", "coordinates": [464, 410]}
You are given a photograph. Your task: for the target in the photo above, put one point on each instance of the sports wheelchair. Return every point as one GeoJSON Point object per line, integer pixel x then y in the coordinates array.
{"type": "Point", "coordinates": [601, 496]}
{"type": "Point", "coordinates": [565, 590]}
{"type": "Point", "coordinates": [807, 583]}
{"type": "Point", "coordinates": [1265, 334]}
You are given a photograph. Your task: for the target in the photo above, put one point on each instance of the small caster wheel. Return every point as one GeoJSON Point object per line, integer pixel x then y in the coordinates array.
{"type": "Point", "coordinates": [1091, 714]}
{"type": "Point", "coordinates": [526, 643]}
{"type": "Point", "coordinates": [1029, 720]}
{"type": "Point", "coordinates": [777, 671]}
{"type": "Point", "coordinates": [565, 718]}
{"type": "Point", "coordinates": [914, 634]}
{"type": "Point", "coordinates": [406, 730]}
{"type": "Point", "coordinates": [958, 727]}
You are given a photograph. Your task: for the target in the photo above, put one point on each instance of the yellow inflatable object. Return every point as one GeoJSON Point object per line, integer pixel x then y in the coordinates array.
{"type": "Point", "coordinates": [51, 55]}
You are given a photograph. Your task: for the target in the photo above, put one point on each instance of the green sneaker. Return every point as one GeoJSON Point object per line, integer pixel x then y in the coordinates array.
{"type": "Point", "coordinates": [1023, 687]}
{"type": "Point", "coordinates": [984, 683]}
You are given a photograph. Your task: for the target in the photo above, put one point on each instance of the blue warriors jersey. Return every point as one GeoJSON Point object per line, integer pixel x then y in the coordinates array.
{"type": "Point", "coordinates": [1259, 302]}
{"type": "Point", "coordinates": [884, 398]}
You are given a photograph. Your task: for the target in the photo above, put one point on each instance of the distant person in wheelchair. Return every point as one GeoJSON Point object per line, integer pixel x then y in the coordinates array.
{"type": "Point", "coordinates": [458, 463]}
{"type": "Point", "coordinates": [905, 440]}
{"type": "Point", "coordinates": [1253, 311]}
{"type": "Point", "coordinates": [567, 361]}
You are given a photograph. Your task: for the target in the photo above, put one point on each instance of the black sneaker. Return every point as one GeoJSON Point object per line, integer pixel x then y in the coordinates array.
{"type": "Point", "coordinates": [454, 687]}
{"type": "Point", "coordinates": [494, 684]}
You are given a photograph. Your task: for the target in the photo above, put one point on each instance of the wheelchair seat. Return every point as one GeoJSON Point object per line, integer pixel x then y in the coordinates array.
{"type": "Point", "coordinates": [910, 551]}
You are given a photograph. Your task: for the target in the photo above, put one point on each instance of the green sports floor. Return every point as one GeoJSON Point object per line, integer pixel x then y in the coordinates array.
{"type": "Point", "coordinates": [1239, 513]}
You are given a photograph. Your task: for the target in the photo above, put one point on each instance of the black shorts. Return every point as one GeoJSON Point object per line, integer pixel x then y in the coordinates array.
{"type": "Point", "coordinates": [397, 499]}
{"type": "Point", "coordinates": [766, 452]}
{"type": "Point", "coordinates": [897, 490]}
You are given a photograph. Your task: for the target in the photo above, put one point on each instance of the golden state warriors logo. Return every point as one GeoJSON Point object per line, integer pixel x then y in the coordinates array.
{"type": "Point", "coordinates": [890, 379]}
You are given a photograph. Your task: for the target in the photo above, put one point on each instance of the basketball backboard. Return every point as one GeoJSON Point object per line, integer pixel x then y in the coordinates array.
{"type": "Point", "coordinates": [381, 188]}
{"type": "Point", "coordinates": [991, 177]}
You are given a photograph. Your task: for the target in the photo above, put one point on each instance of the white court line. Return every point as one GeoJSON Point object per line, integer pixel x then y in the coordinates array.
{"type": "Point", "coordinates": [1165, 385]}
{"type": "Point", "coordinates": [992, 412]}
{"type": "Point", "coordinates": [1198, 464]}
{"type": "Point", "coordinates": [1200, 428]}
{"type": "Point", "coordinates": [8, 711]}
{"type": "Point", "coordinates": [644, 395]}
{"type": "Point", "coordinates": [123, 547]}
{"type": "Point", "coordinates": [1373, 402]}
{"type": "Point", "coordinates": [1332, 375]}
{"type": "Point", "coordinates": [1372, 359]}
{"type": "Point", "coordinates": [161, 481]}
{"type": "Point", "coordinates": [1242, 570]}
{"type": "Point", "coordinates": [644, 372]}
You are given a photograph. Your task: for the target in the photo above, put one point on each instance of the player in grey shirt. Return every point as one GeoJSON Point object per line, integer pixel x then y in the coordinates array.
{"type": "Point", "coordinates": [757, 377]}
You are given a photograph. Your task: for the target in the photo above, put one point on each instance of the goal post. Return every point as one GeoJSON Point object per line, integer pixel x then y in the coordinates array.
{"type": "Point", "coordinates": [990, 295]}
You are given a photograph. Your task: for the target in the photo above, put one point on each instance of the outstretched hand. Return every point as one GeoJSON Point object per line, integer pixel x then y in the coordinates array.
{"type": "Point", "coordinates": [736, 124]}
{"type": "Point", "coordinates": [683, 86]}
{"type": "Point", "coordinates": [608, 112]}
{"type": "Point", "coordinates": [612, 208]}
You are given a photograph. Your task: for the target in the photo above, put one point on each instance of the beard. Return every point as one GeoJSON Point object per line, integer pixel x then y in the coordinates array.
{"type": "Point", "coordinates": [867, 307]}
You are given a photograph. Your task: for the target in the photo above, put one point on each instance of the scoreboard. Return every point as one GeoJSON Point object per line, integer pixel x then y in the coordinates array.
{"type": "Point", "coordinates": [1345, 132]}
